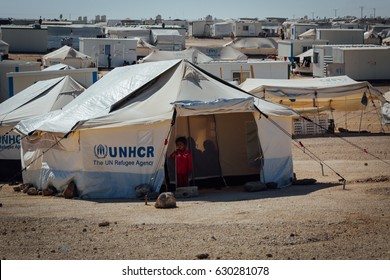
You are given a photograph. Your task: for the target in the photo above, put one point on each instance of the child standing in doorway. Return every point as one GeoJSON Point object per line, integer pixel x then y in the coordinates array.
{"type": "Point", "coordinates": [183, 162]}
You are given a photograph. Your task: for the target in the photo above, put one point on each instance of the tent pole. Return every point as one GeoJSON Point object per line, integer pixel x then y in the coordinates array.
{"type": "Point", "coordinates": [191, 151]}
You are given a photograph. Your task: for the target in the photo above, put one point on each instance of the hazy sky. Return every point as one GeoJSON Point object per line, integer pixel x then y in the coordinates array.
{"type": "Point", "coordinates": [192, 9]}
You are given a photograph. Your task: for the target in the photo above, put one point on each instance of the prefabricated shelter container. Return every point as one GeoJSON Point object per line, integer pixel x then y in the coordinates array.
{"type": "Point", "coordinates": [330, 60]}
{"type": "Point", "coordinates": [7, 66]}
{"type": "Point", "coordinates": [200, 28]}
{"type": "Point", "coordinates": [341, 36]}
{"type": "Point", "coordinates": [109, 52]}
{"type": "Point", "coordinates": [297, 29]}
{"type": "Point", "coordinates": [128, 32]}
{"type": "Point", "coordinates": [18, 81]}
{"type": "Point", "coordinates": [239, 71]}
{"type": "Point", "coordinates": [247, 28]}
{"type": "Point", "coordinates": [41, 97]}
{"type": "Point", "coordinates": [365, 63]}
{"type": "Point", "coordinates": [72, 32]}
{"type": "Point", "coordinates": [291, 48]}
{"type": "Point", "coordinates": [167, 39]}
{"type": "Point", "coordinates": [120, 131]}
{"type": "Point", "coordinates": [222, 29]}
{"type": "Point", "coordinates": [25, 39]}
{"type": "Point", "coordinates": [69, 56]}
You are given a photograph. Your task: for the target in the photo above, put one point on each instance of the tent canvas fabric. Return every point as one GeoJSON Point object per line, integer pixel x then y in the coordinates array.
{"type": "Point", "coordinates": [336, 93]}
{"type": "Point", "coordinates": [69, 56]}
{"type": "Point", "coordinates": [41, 97]}
{"type": "Point", "coordinates": [223, 53]}
{"type": "Point", "coordinates": [134, 115]}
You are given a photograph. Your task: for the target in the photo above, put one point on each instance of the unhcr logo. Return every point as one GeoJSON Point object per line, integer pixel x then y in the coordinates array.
{"type": "Point", "coordinates": [101, 151]}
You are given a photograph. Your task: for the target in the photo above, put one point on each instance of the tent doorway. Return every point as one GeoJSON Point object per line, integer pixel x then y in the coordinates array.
{"type": "Point", "coordinates": [225, 149]}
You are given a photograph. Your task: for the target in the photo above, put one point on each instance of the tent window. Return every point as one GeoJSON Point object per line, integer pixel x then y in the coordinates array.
{"type": "Point", "coordinates": [245, 28]}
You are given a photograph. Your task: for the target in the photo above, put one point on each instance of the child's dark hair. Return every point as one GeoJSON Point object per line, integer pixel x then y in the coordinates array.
{"type": "Point", "coordinates": [181, 139]}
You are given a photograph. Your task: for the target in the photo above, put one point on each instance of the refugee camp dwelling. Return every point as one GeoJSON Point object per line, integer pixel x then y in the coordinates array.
{"type": "Point", "coordinates": [18, 81]}
{"type": "Point", "coordinates": [167, 39]}
{"type": "Point", "coordinates": [41, 97]}
{"type": "Point", "coordinates": [222, 29]}
{"type": "Point", "coordinates": [239, 71]}
{"type": "Point", "coordinates": [110, 52]}
{"type": "Point", "coordinates": [7, 66]}
{"type": "Point", "coordinates": [359, 62]}
{"type": "Point", "coordinates": [131, 32]}
{"type": "Point", "coordinates": [341, 36]}
{"type": "Point", "coordinates": [289, 49]}
{"type": "Point", "coordinates": [319, 99]}
{"type": "Point", "coordinates": [69, 56]}
{"type": "Point", "coordinates": [226, 53]}
{"type": "Point", "coordinates": [372, 38]}
{"type": "Point", "coordinates": [116, 136]}
{"type": "Point", "coordinates": [201, 28]}
{"type": "Point", "coordinates": [25, 39]}
{"type": "Point", "coordinates": [247, 28]}
{"type": "Point", "coordinates": [255, 47]}
{"type": "Point", "coordinates": [297, 29]}
{"type": "Point", "coordinates": [144, 48]}
{"type": "Point", "coordinates": [67, 33]}
{"type": "Point", "coordinates": [191, 54]}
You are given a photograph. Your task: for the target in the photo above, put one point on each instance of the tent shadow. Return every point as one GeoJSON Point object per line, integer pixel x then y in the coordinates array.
{"type": "Point", "coordinates": [234, 193]}
{"type": "Point", "coordinates": [238, 193]}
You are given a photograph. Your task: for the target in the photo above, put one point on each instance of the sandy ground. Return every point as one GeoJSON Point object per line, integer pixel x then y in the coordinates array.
{"type": "Point", "coordinates": [320, 221]}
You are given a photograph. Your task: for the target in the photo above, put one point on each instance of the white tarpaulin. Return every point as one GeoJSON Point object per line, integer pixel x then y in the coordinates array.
{"type": "Point", "coordinates": [126, 123]}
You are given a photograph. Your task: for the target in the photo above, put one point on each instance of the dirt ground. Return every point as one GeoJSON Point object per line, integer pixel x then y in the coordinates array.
{"type": "Point", "coordinates": [319, 221]}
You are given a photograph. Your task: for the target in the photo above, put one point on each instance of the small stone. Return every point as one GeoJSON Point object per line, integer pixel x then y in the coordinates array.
{"type": "Point", "coordinates": [269, 255]}
{"type": "Point", "coordinates": [104, 224]}
{"type": "Point", "coordinates": [202, 256]}
{"type": "Point", "coordinates": [166, 200]}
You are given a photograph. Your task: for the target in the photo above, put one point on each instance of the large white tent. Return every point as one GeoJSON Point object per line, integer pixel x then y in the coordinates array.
{"type": "Point", "coordinates": [69, 56]}
{"type": "Point", "coordinates": [120, 129]}
{"type": "Point", "coordinates": [39, 98]}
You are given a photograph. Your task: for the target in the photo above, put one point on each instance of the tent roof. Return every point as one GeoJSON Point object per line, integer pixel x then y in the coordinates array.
{"type": "Point", "coordinates": [308, 88]}
{"type": "Point", "coordinates": [148, 93]}
{"type": "Point", "coordinates": [65, 52]}
{"type": "Point", "coordinates": [341, 92]}
{"type": "Point", "coordinates": [249, 43]}
{"type": "Point", "coordinates": [39, 98]}
{"type": "Point", "coordinates": [223, 53]}
{"type": "Point", "coordinates": [191, 54]}
{"type": "Point", "coordinates": [59, 66]}
{"type": "Point", "coordinates": [311, 33]}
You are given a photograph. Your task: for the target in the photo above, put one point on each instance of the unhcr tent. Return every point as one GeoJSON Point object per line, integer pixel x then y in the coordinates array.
{"type": "Point", "coordinates": [59, 66]}
{"type": "Point", "coordinates": [255, 46]}
{"type": "Point", "coordinates": [39, 98]}
{"type": "Point", "coordinates": [223, 53]}
{"type": "Point", "coordinates": [191, 54]}
{"type": "Point", "coordinates": [316, 95]}
{"type": "Point", "coordinates": [116, 135]}
{"type": "Point", "coordinates": [69, 56]}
